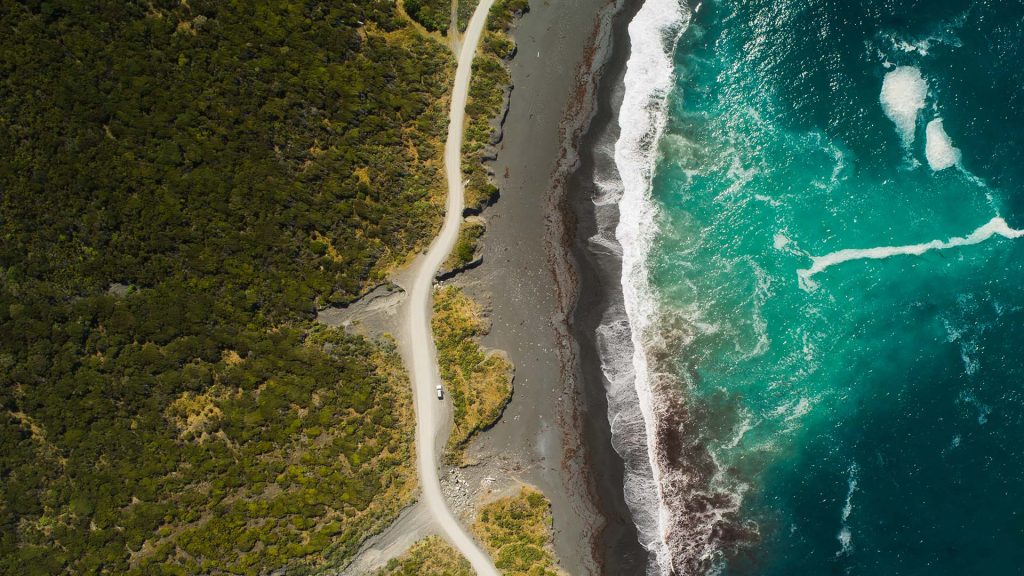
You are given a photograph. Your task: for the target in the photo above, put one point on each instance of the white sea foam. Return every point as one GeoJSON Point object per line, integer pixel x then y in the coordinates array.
{"type": "Point", "coordinates": [845, 536]}
{"type": "Point", "coordinates": [968, 346]}
{"type": "Point", "coordinates": [627, 423]}
{"type": "Point", "coordinates": [845, 541]}
{"type": "Point", "coordinates": [851, 487]}
{"type": "Point", "coordinates": [799, 410]}
{"type": "Point", "coordinates": [903, 93]}
{"type": "Point", "coordinates": [746, 426]}
{"type": "Point", "coordinates": [984, 410]}
{"type": "Point", "coordinates": [793, 410]}
{"type": "Point", "coordinates": [939, 148]}
{"type": "Point", "coordinates": [968, 354]}
{"type": "Point", "coordinates": [994, 227]}
{"type": "Point", "coordinates": [943, 35]}
{"type": "Point", "coordinates": [601, 243]}
{"type": "Point", "coordinates": [607, 187]}
{"type": "Point", "coordinates": [739, 176]}
{"type": "Point", "coordinates": [653, 34]}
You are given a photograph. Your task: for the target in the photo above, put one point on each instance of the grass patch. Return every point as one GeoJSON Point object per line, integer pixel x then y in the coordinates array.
{"type": "Point", "coordinates": [466, 246]}
{"type": "Point", "coordinates": [431, 556]}
{"type": "Point", "coordinates": [486, 99]}
{"type": "Point", "coordinates": [478, 383]}
{"type": "Point", "coordinates": [517, 532]}
{"type": "Point", "coordinates": [504, 13]}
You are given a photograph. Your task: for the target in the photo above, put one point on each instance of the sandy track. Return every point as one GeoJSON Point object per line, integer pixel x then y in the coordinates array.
{"type": "Point", "coordinates": [431, 418]}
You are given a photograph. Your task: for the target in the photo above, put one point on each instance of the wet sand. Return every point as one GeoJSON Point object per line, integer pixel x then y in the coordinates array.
{"type": "Point", "coordinates": [598, 280]}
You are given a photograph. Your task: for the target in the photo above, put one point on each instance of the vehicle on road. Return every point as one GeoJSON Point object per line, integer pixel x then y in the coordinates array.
{"type": "Point", "coordinates": [440, 392]}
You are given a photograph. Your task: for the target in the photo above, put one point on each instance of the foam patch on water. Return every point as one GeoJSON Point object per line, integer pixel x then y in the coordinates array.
{"type": "Point", "coordinates": [607, 191]}
{"type": "Point", "coordinates": [939, 148]}
{"type": "Point", "coordinates": [983, 410]}
{"type": "Point", "coordinates": [942, 35]}
{"type": "Point", "coordinates": [739, 432]}
{"type": "Point", "coordinates": [793, 410]}
{"type": "Point", "coordinates": [994, 227]}
{"type": "Point", "coordinates": [903, 94]}
{"type": "Point", "coordinates": [845, 536]}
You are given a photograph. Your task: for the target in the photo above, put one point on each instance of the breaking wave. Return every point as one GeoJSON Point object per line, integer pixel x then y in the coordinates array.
{"type": "Point", "coordinates": [653, 35]}
{"type": "Point", "coordinates": [671, 478]}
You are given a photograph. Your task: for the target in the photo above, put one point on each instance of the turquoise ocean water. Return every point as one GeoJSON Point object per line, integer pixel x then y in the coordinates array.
{"type": "Point", "coordinates": [821, 257]}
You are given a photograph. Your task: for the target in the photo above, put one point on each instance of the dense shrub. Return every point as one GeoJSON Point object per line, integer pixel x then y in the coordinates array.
{"type": "Point", "coordinates": [466, 245]}
{"type": "Point", "coordinates": [181, 185]}
{"type": "Point", "coordinates": [487, 90]}
{"type": "Point", "coordinates": [434, 15]}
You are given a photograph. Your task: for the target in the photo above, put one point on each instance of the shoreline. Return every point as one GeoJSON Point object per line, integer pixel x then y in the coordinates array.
{"type": "Point", "coordinates": [600, 272]}
{"type": "Point", "coordinates": [547, 436]}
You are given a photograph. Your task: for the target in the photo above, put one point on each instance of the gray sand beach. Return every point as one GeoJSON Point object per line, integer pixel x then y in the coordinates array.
{"type": "Point", "coordinates": [554, 433]}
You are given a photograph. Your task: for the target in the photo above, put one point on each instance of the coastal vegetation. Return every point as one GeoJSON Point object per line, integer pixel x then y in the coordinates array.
{"type": "Point", "coordinates": [431, 556]}
{"type": "Point", "coordinates": [168, 457]}
{"type": "Point", "coordinates": [466, 247]}
{"type": "Point", "coordinates": [487, 94]}
{"type": "Point", "coordinates": [184, 184]}
{"type": "Point", "coordinates": [504, 13]}
{"type": "Point", "coordinates": [434, 15]}
{"type": "Point", "coordinates": [463, 13]}
{"type": "Point", "coordinates": [516, 530]}
{"type": "Point", "coordinates": [478, 382]}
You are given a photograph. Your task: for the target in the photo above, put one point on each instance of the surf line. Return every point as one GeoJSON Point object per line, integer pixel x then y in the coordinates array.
{"type": "Point", "coordinates": [994, 227]}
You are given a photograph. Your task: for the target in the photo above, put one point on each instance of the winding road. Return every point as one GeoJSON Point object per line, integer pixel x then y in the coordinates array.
{"type": "Point", "coordinates": [431, 420]}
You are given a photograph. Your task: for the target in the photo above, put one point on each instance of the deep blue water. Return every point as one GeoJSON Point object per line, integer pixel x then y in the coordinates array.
{"type": "Point", "coordinates": [871, 417]}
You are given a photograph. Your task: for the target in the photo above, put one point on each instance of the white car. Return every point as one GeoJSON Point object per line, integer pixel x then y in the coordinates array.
{"type": "Point", "coordinates": [440, 392]}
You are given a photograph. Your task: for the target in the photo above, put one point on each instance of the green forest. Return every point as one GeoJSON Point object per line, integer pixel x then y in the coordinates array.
{"type": "Point", "coordinates": [182, 185]}
{"type": "Point", "coordinates": [434, 15]}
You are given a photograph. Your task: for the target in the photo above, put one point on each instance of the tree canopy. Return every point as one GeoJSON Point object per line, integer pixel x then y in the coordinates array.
{"type": "Point", "coordinates": [182, 185]}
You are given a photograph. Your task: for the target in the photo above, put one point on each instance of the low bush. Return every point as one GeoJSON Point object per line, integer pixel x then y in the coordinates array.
{"type": "Point", "coordinates": [517, 532]}
{"type": "Point", "coordinates": [431, 556]}
{"type": "Point", "coordinates": [478, 383]}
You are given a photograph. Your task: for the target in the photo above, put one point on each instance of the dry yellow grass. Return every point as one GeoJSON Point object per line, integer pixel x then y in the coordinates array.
{"type": "Point", "coordinates": [431, 556]}
{"type": "Point", "coordinates": [517, 532]}
{"type": "Point", "coordinates": [478, 382]}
